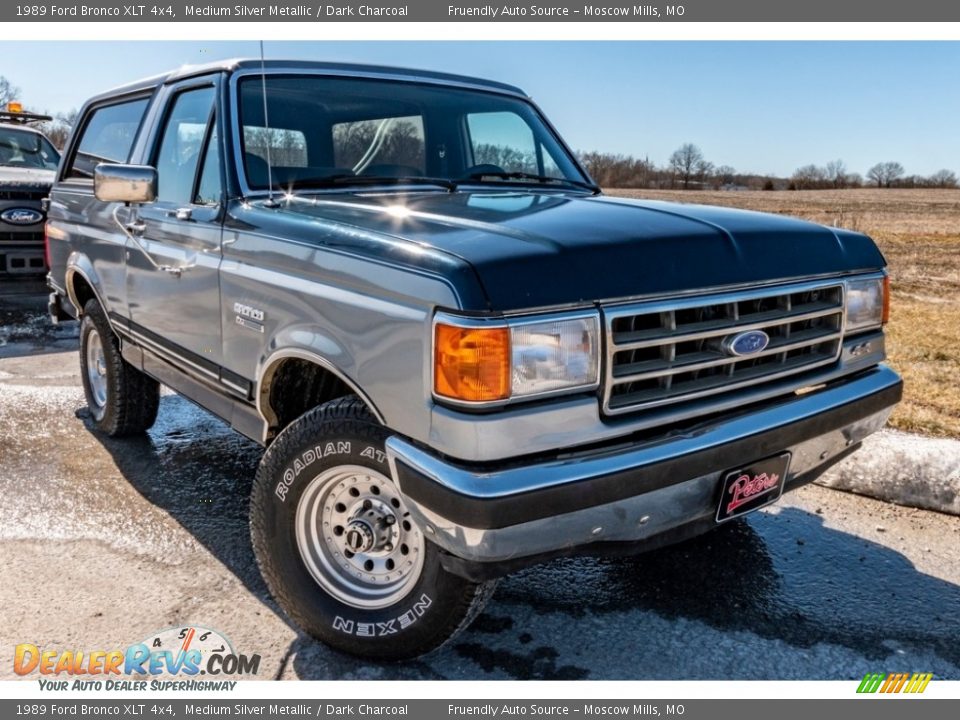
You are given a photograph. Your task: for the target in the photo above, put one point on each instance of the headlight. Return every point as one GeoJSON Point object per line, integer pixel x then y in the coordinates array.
{"type": "Point", "coordinates": [552, 355]}
{"type": "Point", "coordinates": [867, 303]}
{"type": "Point", "coordinates": [477, 361]}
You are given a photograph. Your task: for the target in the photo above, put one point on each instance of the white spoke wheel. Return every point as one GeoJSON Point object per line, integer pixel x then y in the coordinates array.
{"type": "Point", "coordinates": [96, 369]}
{"type": "Point", "coordinates": [338, 549]}
{"type": "Point", "coordinates": [356, 538]}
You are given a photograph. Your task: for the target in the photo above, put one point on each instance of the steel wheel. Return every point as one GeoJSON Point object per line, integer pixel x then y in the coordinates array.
{"type": "Point", "coordinates": [356, 538]}
{"type": "Point", "coordinates": [96, 369]}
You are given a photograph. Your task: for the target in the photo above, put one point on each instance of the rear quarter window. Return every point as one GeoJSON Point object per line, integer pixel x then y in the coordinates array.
{"type": "Point", "coordinates": [107, 137]}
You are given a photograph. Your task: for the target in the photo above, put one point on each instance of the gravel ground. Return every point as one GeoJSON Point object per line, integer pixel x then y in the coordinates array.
{"type": "Point", "coordinates": [103, 542]}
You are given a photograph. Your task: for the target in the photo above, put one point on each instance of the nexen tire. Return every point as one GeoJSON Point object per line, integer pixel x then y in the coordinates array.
{"type": "Point", "coordinates": [328, 472]}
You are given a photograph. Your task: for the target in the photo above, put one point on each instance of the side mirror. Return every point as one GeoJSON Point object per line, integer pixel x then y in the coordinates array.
{"type": "Point", "coordinates": [125, 183]}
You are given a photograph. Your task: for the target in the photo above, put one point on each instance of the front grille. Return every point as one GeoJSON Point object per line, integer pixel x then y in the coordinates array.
{"type": "Point", "coordinates": [672, 351]}
{"type": "Point", "coordinates": [25, 238]}
{"type": "Point", "coordinates": [34, 195]}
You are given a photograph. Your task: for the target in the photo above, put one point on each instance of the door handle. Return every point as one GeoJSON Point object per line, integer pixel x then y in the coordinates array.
{"type": "Point", "coordinates": [134, 230]}
{"type": "Point", "coordinates": [183, 213]}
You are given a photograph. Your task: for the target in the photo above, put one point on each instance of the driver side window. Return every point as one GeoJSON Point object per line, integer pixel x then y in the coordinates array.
{"type": "Point", "coordinates": [181, 147]}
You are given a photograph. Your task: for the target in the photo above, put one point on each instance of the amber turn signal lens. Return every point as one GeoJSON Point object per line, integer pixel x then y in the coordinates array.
{"type": "Point", "coordinates": [471, 364]}
{"type": "Point", "coordinates": [886, 300]}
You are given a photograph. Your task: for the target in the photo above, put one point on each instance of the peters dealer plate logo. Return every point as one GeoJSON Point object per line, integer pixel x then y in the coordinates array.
{"type": "Point", "coordinates": [190, 657]}
{"type": "Point", "coordinates": [21, 216]}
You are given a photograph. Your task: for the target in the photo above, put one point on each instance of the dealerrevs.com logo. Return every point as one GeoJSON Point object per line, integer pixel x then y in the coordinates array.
{"type": "Point", "coordinates": [170, 659]}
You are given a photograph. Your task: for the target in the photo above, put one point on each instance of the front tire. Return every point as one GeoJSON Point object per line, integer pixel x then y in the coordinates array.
{"type": "Point", "coordinates": [122, 400]}
{"type": "Point", "coordinates": [337, 548]}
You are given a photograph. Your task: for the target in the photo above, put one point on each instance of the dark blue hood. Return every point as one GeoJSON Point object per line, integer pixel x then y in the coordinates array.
{"type": "Point", "coordinates": [545, 249]}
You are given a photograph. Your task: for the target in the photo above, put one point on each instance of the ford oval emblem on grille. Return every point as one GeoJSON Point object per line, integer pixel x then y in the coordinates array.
{"type": "Point", "coordinates": [746, 343]}
{"type": "Point", "coordinates": [21, 216]}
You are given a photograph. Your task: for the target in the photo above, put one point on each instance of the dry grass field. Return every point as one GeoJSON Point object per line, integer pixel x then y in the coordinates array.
{"type": "Point", "coordinates": [919, 233]}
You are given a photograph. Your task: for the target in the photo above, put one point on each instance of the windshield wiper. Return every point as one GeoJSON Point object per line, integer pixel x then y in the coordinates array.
{"type": "Point", "coordinates": [327, 181]}
{"type": "Point", "coordinates": [534, 178]}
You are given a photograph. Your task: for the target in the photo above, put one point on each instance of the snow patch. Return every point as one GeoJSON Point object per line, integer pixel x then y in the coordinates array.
{"type": "Point", "coordinates": [904, 469]}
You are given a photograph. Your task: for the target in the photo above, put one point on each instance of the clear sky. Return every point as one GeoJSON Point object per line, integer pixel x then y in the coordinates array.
{"type": "Point", "coordinates": [765, 107]}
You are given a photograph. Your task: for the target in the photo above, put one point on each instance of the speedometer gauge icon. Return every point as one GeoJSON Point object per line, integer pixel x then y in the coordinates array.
{"type": "Point", "coordinates": [180, 640]}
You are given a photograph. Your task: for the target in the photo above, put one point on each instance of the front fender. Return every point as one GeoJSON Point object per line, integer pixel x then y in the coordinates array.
{"type": "Point", "coordinates": [309, 343]}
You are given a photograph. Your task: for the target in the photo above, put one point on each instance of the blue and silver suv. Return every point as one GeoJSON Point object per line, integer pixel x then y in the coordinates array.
{"type": "Point", "coordinates": [461, 357]}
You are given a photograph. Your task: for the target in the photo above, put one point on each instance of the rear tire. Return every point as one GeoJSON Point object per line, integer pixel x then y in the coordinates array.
{"type": "Point", "coordinates": [336, 546]}
{"type": "Point", "coordinates": [122, 400]}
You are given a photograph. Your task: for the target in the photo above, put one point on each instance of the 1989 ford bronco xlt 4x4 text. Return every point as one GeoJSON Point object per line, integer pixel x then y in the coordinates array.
{"type": "Point", "coordinates": [461, 357]}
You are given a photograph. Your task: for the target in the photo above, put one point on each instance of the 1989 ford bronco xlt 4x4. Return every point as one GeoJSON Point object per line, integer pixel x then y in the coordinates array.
{"type": "Point", "coordinates": [461, 357]}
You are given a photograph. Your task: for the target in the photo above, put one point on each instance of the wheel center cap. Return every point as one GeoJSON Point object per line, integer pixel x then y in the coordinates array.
{"type": "Point", "coordinates": [359, 536]}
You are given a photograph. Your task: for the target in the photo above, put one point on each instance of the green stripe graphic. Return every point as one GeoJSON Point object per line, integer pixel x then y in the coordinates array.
{"type": "Point", "coordinates": [871, 682]}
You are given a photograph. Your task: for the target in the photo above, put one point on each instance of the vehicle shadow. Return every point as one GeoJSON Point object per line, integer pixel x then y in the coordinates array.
{"type": "Point", "coordinates": [782, 578]}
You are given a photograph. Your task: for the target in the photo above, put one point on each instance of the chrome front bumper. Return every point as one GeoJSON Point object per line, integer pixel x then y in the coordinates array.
{"type": "Point", "coordinates": [632, 491]}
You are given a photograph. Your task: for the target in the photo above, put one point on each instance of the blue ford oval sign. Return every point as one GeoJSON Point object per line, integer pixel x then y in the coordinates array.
{"type": "Point", "coordinates": [746, 343]}
{"type": "Point", "coordinates": [21, 216]}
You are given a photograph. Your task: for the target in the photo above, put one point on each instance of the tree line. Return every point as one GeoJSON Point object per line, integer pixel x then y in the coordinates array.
{"type": "Point", "coordinates": [688, 168]}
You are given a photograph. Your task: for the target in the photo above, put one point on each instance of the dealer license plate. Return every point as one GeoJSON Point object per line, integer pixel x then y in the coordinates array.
{"type": "Point", "coordinates": [752, 486]}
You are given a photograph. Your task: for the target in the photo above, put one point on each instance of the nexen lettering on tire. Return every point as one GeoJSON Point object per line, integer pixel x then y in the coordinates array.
{"type": "Point", "coordinates": [389, 627]}
{"type": "Point", "coordinates": [308, 457]}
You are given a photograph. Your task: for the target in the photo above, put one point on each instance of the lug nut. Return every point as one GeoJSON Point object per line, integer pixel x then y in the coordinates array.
{"type": "Point", "coordinates": [367, 504]}
{"type": "Point", "coordinates": [389, 520]}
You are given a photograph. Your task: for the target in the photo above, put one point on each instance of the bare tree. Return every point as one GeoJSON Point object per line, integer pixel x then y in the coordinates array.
{"type": "Point", "coordinates": [687, 162]}
{"type": "Point", "coordinates": [8, 92]}
{"type": "Point", "coordinates": [725, 175]}
{"type": "Point", "coordinates": [943, 179]}
{"type": "Point", "coordinates": [611, 170]}
{"type": "Point", "coordinates": [884, 174]}
{"type": "Point", "coordinates": [894, 171]}
{"type": "Point", "coordinates": [58, 130]}
{"type": "Point", "coordinates": [809, 177]}
{"type": "Point", "coordinates": [836, 173]}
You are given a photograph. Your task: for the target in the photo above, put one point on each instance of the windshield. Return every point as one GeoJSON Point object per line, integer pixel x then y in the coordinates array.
{"type": "Point", "coordinates": [24, 149]}
{"type": "Point", "coordinates": [342, 132]}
